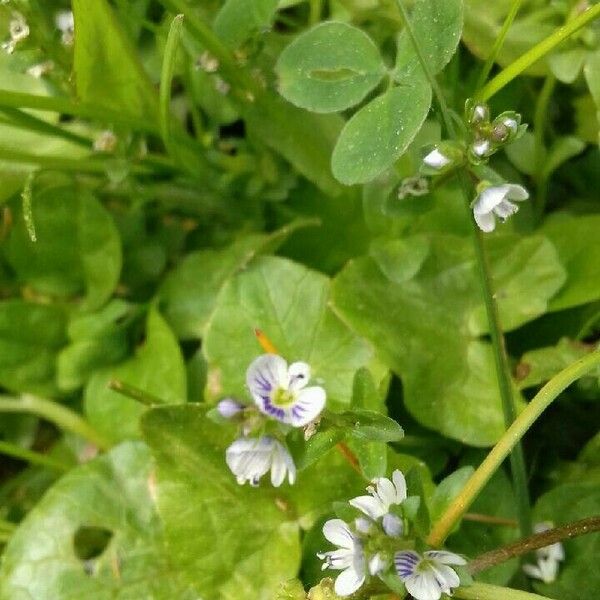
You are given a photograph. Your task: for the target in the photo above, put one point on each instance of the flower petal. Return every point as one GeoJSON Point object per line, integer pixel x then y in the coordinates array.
{"type": "Point", "coordinates": [249, 458]}
{"type": "Point", "coordinates": [386, 491]}
{"type": "Point", "coordinates": [349, 581]}
{"type": "Point", "coordinates": [376, 564]}
{"type": "Point", "coordinates": [423, 586]}
{"type": "Point", "coordinates": [489, 198]}
{"type": "Point", "coordinates": [265, 374]}
{"type": "Point", "coordinates": [506, 209]}
{"type": "Point", "coordinates": [533, 571]}
{"type": "Point", "coordinates": [406, 563]}
{"type": "Point", "coordinates": [337, 532]}
{"type": "Point", "coordinates": [445, 576]}
{"type": "Point", "coordinates": [307, 406]}
{"type": "Point", "coordinates": [400, 485]}
{"type": "Point", "coordinates": [516, 192]}
{"type": "Point", "coordinates": [444, 557]}
{"type": "Point", "coordinates": [486, 222]}
{"type": "Point", "coordinates": [337, 559]}
{"type": "Point", "coordinates": [392, 525]}
{"type": "Point", "coordinates": [369, 505]}
{"type": "Point", "coordinates": [298, 375]}
{"type": "Point", "coordinates": [436, 160]}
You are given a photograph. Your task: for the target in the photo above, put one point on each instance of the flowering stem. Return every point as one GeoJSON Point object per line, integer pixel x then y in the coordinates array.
{"type": "Point", "coordinates": [35, 458]}
{"type": "Point", "coordinates": [134, 393]}
{"type": "Point", "coordinates": [538, 51]}
{"type": "Point", "coordinates": [533, 542]}
{"type": "Point", "coordinates": [61, 416]}
{"type": "Point", "coordinates": [519, 473]}
{"type": "Point", "coordinates": [507, 442]}
{"type": "Point", "coordinates": [485, 591]}
{"type": "Point", "coordinates": [491, 59]}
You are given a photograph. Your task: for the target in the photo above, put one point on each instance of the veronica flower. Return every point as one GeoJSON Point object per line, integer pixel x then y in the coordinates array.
{"type": "Point", "coordinates": [65, 22]}
{"type": "Point", "coordinates": [383, 495]}
{"type": "Point", "coordinates": [349, 557]}
{"type": "Point", "coordinates": [495, 201]}
{"type": "Point", "coordinates": [427, 577]}
{"type": "Point", "coordinates": [548, 557]}
{"type": "Point", "coordinates": [250, 458]}
{"type": "Point", "coordinates": [280, 391]}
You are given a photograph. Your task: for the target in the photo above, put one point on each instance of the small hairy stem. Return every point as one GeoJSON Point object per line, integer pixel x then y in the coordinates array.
{"type": "Point", "coordinates": [485, 591]}
{"type": "Point", "coordinates": [61, 416]}
{"type": "Point", "coordinates": [135, 393]}
{"type": "Point", "coordinates": [538, 51]}
{"type": "Point", "coordinates": [533, 542]}
{"type": "Point", "coordinates": [35, 458]}
{"type": "Point", "coordinates": [491, 59]}
{"type": "Point", "coordinates": [517, 459]}
{"type": "Point", "coordinates": [507, 442]}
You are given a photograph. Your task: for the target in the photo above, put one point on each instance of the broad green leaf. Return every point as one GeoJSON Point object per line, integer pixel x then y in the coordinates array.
{"type": "Point", "coordinates": [31, 335]}
{"type": "Point", "coordinates": [232, 541]}
{"type": "Point", "coordinates": [566, 64]}
{"type": "Point", "coordinates": [578, 245]}
{"type": "Point", "coordinates": [114, 493]}
{"type": "Point", "coordinates": [156, 368]}
{"type": "Point", "coordinates": [305, 140]}
{"type": "Point", "coordinates": [288, 302]}
{"type": "Point", "coordinates": [538, 366]}
{"type": "Point", "coordinates": [237, 20]}
{"type": "Point", "coordinates": [107, 69]}
{"type": "Point", "coordinates": [563, 149]}
{"type": "Point", "coordinates": [565, 504]}
{"type": "Point", "coordinates": [447, 490]}
{"type": "Point", "coordinates": [78, 250]}
{"type": "Point", "coordinates": [400, 259]}
{"type": "Point", "coordinates": [291, 590]}
{"type": "Point", "coordinates": [437, 25]}
{"type": "Point", "coordinates": [189, 292]}
{"type": "Point", "coordinates": [448, 375]}
{"type": "Point", "coordinates": [369, 425]}
{"type": "Point", "coordinates": [380, 132]}
{"type": "Point", "coordinates": [329, 68]}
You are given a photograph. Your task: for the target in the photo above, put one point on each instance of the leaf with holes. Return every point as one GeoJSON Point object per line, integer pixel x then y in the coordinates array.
{"type": "Point", "coordinates": [329, 68]}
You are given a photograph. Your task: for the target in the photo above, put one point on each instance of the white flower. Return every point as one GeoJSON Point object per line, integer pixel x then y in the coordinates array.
{"type": "Point", "coordinates": [480, 148]}
{"type": "Point", "coordinates": [377, 564]}
{"type": "Point", "coordinates": [436, 160]}
{"type": "Point", "coordinates": [495, 200]}
{"type": "Point", "coordinates": [384, 494]}
{"type": "Point", "coordinates": [19, 30]}
{"type": "Point", "coordinates": [548, 557]}
{"type": "Point", "coordinates": [349, 558]}
{"type": "Point", "coordinates": [250, 458]}
{"type": "Point", "coordinates": [427, 577]}
{"type": "Point", "coordinates": [65, 22]}
{"type": "Point", "coordinates": [280, 391]}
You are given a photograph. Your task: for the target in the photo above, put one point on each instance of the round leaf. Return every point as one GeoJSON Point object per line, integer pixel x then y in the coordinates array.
{"type": "Point", "coordinates": [329, 68]}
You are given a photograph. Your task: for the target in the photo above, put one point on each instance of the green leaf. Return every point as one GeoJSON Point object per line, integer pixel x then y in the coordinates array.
{"type": "Point", "coordinates": [565, 504]}
{"type": "Point", "coordinates": [538, 366]}
{"type": "Point", "coordinates": [578, 245]}
{"type": "Point", "coordinates": [448, 375]}
{"type": "Point", "coordinates": [566, 64]}
{"type": "Point", "coordinates": [291, 590]}
{"type": "Point", "coordinates": [77, 249]}
{"type": "Point", "coordinates": [369, 425]}
{"type": "Point", "coordinates": [437, 25]}
{"type": "Point", "coordinates": [329, 68]}
{"type": "Point", "coordinates": [400, 259]}
{"type": "Point", "coordinates": [305, 140]}
{"type": "Point", "coordinates": [563, 149]}
{"type": "Point", "coordinates": [189, 292]}
{"type": "Point", "coordinates": [288, 302]}
{"type": "Point", "coordinates": [107, 70]}
{"type": "Point", "coordinates": [232, 541]}
{"type": "Point", "coordinates": [447, 490]}
{"type": "Point", "coordinates": [237, 20]}
{"type": "Point", "coordinates": [379, 133]}
{"type": "Point", "coordinates": [30, 337]}
{"type": "Point", "coordinates": [114, 494]}
{"type": "Point", "coordinates": [157, 368]}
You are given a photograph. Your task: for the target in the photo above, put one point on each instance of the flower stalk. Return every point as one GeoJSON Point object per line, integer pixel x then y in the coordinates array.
{"type": "Point", "coordinates": [507, 442]}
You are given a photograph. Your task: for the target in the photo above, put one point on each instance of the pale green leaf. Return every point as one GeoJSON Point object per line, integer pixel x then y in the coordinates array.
{"type": "Point", "coordinates": [380, 132]}
{"type": "Point", "coordinates": [237, 20]}
{"type": "Point", "coordinates": [329, 68]}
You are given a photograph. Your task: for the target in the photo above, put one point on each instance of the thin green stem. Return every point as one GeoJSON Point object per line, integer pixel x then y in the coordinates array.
{"type": "Point", "coordinates": [507, 442]}
{"type": "Point", "coordinates": [316, 7]}
{"type": "Point", "coordinates": [491, 59]}
{"type": "Point", "coordinates": [166, 81]}
{"type": "Point", "coordinates": [485, 591]}
{"type": "Point", "coordinates": [539, 129]}
{"type": "Point", "coordinates": [519, 472]}
{"type": "Point", "coordinates": [61, 416]}
{"type": "Point", "coordinates": [35, 458]}
{"type": "Point", "coordinates": [538, 51]}
{"type": "Point", "coordinates": [135, 393]}
{"type": "Point", "coordinates": [534, 542]}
